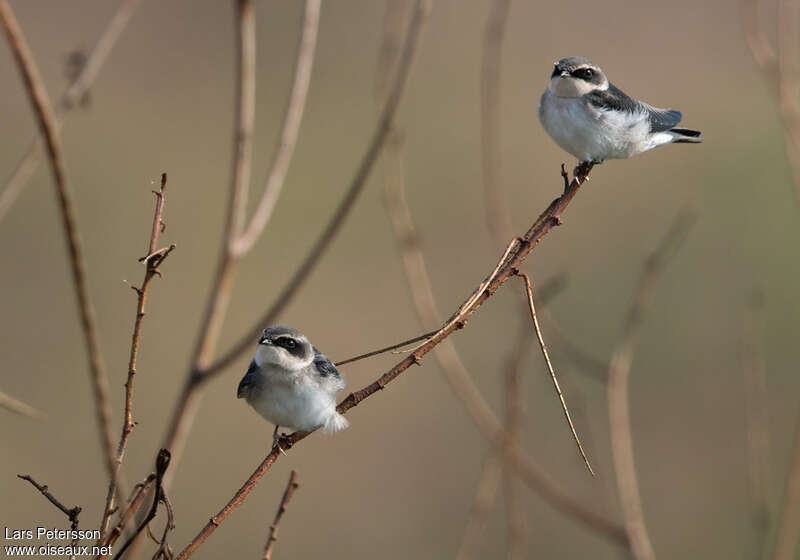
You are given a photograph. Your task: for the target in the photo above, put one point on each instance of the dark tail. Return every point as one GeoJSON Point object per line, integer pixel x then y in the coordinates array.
{"type": "Point", "coordinates": [686, 136]}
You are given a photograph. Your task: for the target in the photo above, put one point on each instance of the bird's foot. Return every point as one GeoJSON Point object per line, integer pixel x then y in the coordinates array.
{"type": "Point", "coordinates": [276, 440]}
{"type": "Point", "coordinates": [581, 172]}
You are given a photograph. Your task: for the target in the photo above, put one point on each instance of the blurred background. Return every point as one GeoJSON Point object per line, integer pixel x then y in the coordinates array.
{"type": "Point", "coordinates": [399, 483]}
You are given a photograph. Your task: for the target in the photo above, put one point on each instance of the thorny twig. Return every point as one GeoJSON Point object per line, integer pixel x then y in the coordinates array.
{"type": "Point", "coordinates": [47, 123]}
{"type": "Point", "coordinates": [152, 261]}
{"type": "Point", "coordinates": [529, 472]}
{"type": "Point", "coordinates": [291, 486]}
{"type": "Point", "coordinates": [618, 401]}
{"type": "Point", "coordinates": [75, 92]}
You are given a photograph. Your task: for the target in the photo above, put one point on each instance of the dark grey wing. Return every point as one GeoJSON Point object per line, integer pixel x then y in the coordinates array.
{"type": "Point", "coordinates": [324, 366]}
{"type": "Point", "coordinates": [247, 381]}
{"type": "Point", "coordinates": [614, 99]}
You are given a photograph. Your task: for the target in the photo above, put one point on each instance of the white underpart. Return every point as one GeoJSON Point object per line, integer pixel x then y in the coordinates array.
{"type": "Point", "coordinates": [296, 400]}
{"type": "Point", "coordinates": [592, 134]}
{"type": "Point", "coordinates": [290, 393]}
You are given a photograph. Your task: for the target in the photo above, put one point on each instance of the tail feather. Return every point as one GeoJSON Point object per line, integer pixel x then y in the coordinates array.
{"type": "Point", "coordinates": [335, 422]}
{"type": "Point", "coordinates": [686, 136]}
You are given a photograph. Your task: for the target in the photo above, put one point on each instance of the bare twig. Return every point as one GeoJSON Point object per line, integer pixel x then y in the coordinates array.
{"type": "Point", "coordinates": [618, 401]}
{"type": "Point", "coordinates": [76, 91]}
{"type": "Point", "coordinates": [497, 214]}
{"type": "Point", "coordinates": [291, 486]}
{"type": "Point", "coordinates": [289, 130]}
{"type": "Point", "coordinates": [71, 513]}
{"type": "Point", "coordinates": [781, 72]}
{"type": "Point", "coordinates": [202, 371]}
{"type": "Point", "coordinates": [162, 462]}
{"type": "Point", "coordinates": [18, 407]}
{"type": "Point", "coordinates": [543, 346]}
{"type": "Point", "coordinates": [151, 271]}
{"type": "Point", "coordinates": [529, 472]}
{"type": "Point", "coordinates": [134, 503]}
{"type": "Point", "coordinates": [757, 421]}
{"type": "Point", "coordinates": [385, 349]}
{"type": "Point", "coordinates": [46, 119]}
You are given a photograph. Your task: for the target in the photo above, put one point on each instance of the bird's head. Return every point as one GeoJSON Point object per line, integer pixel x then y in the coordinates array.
{"type": "Point", "coordinates": [284, 347]}
{"type": "Point", "coordinates": [575, 76]}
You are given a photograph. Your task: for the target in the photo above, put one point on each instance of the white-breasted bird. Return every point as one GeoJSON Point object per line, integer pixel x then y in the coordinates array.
{"type": "Point", "coordinates": [593, 120]}
{"type": "Point", "coordinates": [292, 384]}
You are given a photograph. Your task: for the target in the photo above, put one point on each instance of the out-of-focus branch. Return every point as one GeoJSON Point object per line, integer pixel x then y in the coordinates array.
{"type": "Point", "coordinates": [497, 215]}
{"type": "Point", "coordinates": [509, 264]}
{"type": "Point", "coordinates": [529, 289]}
{"type": "Point", "coordinates": [757, 422]}
{"type": "Point", "coordinates": [618, 400]}
{"type": "Point", "coordinates": [47, 124]}
{"type": "Point", "coordinates": [162, 462]}
{"type": "Point", "coordinates": [781, 71]}
{"type": "Point", "coordinates": [18, 407]}
{"type": "Point", "coordinates": [289, 130]}
{"type": "Point", "coordinates": [219, 297]}
{"type": "Point", "coordinates": [789, 526]}
{"type": "Point", "coordinates": [485, 496]}
{"type": "Point", "coordinates": [152, 261]}
{"type": "Point", "coordinates": [291, 486]}
{"type": "Point", "coordinates": [76, 91]}
{"type": "Point", "coordinates": [202, 370]}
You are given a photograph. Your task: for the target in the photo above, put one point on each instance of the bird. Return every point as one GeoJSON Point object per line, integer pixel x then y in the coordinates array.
{"type": "Point", "coordinates": [292, 384]}
{"type": "Point", "coordinates": [593, 120]}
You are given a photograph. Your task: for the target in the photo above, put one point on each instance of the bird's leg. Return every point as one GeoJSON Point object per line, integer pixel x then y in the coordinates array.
{"type": "Point", "coordinates": [276, 440]}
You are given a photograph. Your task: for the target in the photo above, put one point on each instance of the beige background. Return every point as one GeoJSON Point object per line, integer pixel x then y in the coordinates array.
{"type": "Point", "coordinates": [399, 482]}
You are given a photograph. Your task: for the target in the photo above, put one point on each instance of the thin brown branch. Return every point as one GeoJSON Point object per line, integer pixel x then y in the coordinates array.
{"type": "Point", "coordinates": [291, 486]}
{"type": "Point", "coordinates": [71, 513]}
{"type": "Point", "coordinates": [582, 360]}
{"type": "Point", "coordinates": [18, 407]}
{"type": "Point", "coordinates": [289, 131]}
{"type": "Point", "coordinates": [162, 463]}
{"type": "Point", "coordinates": [618, 384]}
{"type": "Point", "coordinates": [527, 470]}
{"type": "Point", "coordinates": [46, 120]}
{"type": "Point", "coordinates": [497, 214]}
{"type": "Point", "coordinates": [151, 271]}
{"type": "Point", "coordinates": [202, 371]}
{"type": "Point", "coordinates": [76, 91]}
{"type": "Point", "coordinates": [385, 349]}
{"type": "Point", "coordinates": [543, 346]}
{"type": "Point", "coordinates": [135, 501]}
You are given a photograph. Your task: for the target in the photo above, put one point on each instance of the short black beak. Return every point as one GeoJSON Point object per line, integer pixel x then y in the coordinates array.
{"type": "Point", "coordinates": [556, 71]}
{"type": "Point", "coordinates": [265, 340]}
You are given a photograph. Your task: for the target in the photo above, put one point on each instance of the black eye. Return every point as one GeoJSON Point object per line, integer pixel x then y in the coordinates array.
{"type": "Point", "coordinates": [588, 73]}
{"type": "Point", "coordinates": [289, 343]}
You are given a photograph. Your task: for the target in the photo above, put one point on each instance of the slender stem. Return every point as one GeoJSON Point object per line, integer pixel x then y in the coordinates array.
{"type": "Point", "coordinates": [18, 407]}
{"type": "Point", "coordinates": [152, 261]}
{"type": "Point", "coordinates": [291, 486]}
{"type": "Point", "coordinates": [289, 131]}
{"type": "Point", "coordinates": [618, 386]}
{"type": "Point", "coordinates": [76, 90]}
{"type": "Point", "coordinates": [529, 289]}
{"type": "Point", "coordinates": [47, 123]}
